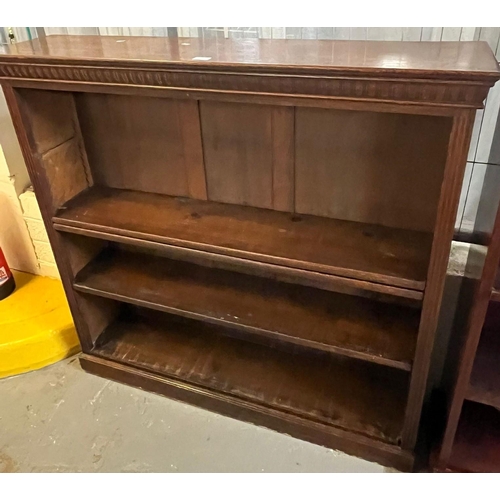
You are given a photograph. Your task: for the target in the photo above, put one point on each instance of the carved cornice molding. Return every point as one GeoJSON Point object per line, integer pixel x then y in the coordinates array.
{"type": "Point", "coordinates": [454, 93]}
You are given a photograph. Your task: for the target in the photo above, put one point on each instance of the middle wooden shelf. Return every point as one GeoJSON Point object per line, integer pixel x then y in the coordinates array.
{"type": "Point", "coordinates": [263, 309]}
{"type": "Point", "coordinates": [369, 256]}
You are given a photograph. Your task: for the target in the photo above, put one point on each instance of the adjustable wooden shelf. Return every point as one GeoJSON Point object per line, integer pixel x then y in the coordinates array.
{"type": "Point", "coordinates": [258, 227]}
{"type": "Point", "coordinates": [471, 441]}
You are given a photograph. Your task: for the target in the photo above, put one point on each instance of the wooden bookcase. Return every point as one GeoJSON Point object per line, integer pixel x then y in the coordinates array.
{"type": "Point", "coordinates": [258, 227]}
{"type": "Point", "coordinates": [471, 441]}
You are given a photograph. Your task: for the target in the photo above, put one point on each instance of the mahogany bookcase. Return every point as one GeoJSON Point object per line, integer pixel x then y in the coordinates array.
{"type": "Point", "coordinates": [257, 227]}
{"type": "Point", "coordinates": [471, 441]}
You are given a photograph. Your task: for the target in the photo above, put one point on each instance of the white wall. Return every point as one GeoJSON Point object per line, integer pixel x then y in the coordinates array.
{"type": "Point", "coordinates": [18, 209]}
{"type": "Point", "coordinates": [14, 236]}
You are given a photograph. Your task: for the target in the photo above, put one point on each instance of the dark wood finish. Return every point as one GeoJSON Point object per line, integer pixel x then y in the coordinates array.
{"type": "Point", "coordinates": [97, 313]}
{"type": "Point", "coordinates": [22, 121]}
{"type": "Point", "coordinates": [246, 127]}
{"type": "Point", "coordinates": [52, 117]}
{"type": "Point", "coordinates": [65, 171]}
{"type": "Point", "coordinates": [476, 447]}
{"type": "Point", "coordinates": [57, 142]}
{"type": "Point", "coordinates": [478, 384]}
{"type": "Point", "coordinates": [441, 245]}
{"type": "Point", "coordinates": [495, 293]}
{"type": "Point", "coordinates": [385, 293]}
{"type": "Point", "coordinates": [492, 319]}
{"type": "Point", "coordinates": [81, 251]}
{"type": "Point", "coordinates": [282, 100]}
{"type": "Point", "coordinates": [484, 383]}
{"type": "Point", "coordinates": [353, 326]}
{"type": "Point", "coordinates": [326, 389]}
{"type": "Point", "coordinates": [283, 151]}
{"type": "Point", "coordinates": [448, 74]}
{"type": "Point", "coordinates": [189, 123]}
{"type": "Point", "coordinates": [247, 148]}
{"type": "Point", "coordinates": [315, 432]}
{"type": "Point", "coordinates": [464, 60]}
{"type": "Point", "coordinates": [383, 181]}
{"type": "Point", "coordinates": [143, 131]}
{"type": "Point", "coordinates": [361, 251]}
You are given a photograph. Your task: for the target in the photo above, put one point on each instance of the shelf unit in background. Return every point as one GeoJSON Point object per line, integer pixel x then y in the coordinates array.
{"type": "Point", "coordinates": [471, 441]}
{"type": "Point", "coordinates": [264, 233]}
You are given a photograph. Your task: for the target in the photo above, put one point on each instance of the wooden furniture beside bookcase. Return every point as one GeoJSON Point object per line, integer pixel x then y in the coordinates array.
{"type": "Point", "coordinates": [257, 227]}
{"type": "Point", "coordinates": [471, 441]}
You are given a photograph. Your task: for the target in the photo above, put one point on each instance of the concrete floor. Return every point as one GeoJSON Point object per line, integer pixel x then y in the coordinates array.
{"type": "Point", "coordinates": [61, 419]}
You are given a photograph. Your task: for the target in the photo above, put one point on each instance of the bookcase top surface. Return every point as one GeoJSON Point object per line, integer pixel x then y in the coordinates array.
{"type": "Point", "coordinates": [454, 60]}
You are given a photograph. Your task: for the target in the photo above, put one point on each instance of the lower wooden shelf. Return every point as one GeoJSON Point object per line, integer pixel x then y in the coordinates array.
{"type": "Point", "coordinates": [484, 384]}
{"type": "Point", "coordinates": [353, 396]}
{"type": "Point", "coordinates": [477, 441]}
{"type": "Point", "coordinates": [353, 326]}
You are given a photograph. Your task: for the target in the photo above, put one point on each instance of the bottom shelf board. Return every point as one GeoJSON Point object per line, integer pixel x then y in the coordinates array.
{"type": "Point", "coordinates": [477, 440]}
{"type": "Point", "coordinates": [299, 428]}
{"type": "Point", "coordinates": [484, 385]}
{"type": "Point", "coordinates": [348, 394]}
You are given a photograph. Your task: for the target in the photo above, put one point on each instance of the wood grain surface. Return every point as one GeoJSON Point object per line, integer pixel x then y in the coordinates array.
{"type": "Point", "coordinates": [352, 395]}
{"type": "Point", "coordinates": [112, 129]}
{"type": "Point", "coordinates": [303, 316]}
{"type": "Point", "coordinates": [361, 251]}
{"type": "Point", "coordinates": [428, 77]}
{"type": "Point", "coordinates": [481, 312]}
{"type": "Point", "coordinates": [248, 152]}
{"type": "Point", "coordinates": [466, 59]}
{"type": "Point", "coordinates": [139, 143]}
{"type": "Point", "coordinates": [375, 168]}
{"type": "Point", "coordinates": [232, 406]}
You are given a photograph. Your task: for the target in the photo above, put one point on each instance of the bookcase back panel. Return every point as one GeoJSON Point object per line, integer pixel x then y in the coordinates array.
{"type": "Point", "coordinates": [377, 168]}
{"type": "Point", "coordinates": [374, 168]}
{"type": "Point", "coordinates": [248, 152]}
{"type": "Point", "coordinates": [141, 143]}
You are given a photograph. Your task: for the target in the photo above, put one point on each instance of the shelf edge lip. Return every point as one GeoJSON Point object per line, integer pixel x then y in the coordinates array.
{"type": "Point", "coordinates": [279, 336]}
{"type": "Point", "coordinates": [95, 356]}
{"type": "Point", "coordinates": [403, 287]}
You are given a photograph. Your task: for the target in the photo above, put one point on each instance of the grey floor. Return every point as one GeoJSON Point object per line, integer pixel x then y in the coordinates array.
{"type": "Point", "coordinates": [61, 419]}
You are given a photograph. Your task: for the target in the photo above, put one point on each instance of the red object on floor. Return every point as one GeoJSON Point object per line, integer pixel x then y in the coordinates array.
{"type": "Point", "coordinates": [7, 283]}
